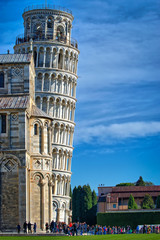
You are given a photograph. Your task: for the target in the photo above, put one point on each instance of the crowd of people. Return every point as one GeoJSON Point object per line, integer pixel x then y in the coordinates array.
{"type": "Point", "coordinates": [74, 229]}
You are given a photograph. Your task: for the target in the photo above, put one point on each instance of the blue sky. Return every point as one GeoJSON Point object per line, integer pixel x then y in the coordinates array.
{"type": "Point", "coordinates": [118, 110]}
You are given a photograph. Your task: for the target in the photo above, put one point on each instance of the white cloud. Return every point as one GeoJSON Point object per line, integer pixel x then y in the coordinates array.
{"type": "Point", "coordinates": [116, 132]}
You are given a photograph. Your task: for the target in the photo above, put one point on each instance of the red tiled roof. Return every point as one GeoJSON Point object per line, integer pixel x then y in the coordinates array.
{"type": "Point", "coordinates": [136, 189]}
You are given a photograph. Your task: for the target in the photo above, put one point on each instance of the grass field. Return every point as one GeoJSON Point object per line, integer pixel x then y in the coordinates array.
{"type": "Point", "coordinates": [100, 237]}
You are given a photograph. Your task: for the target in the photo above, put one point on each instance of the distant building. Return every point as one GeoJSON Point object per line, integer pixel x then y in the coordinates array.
{"type": "Point", "coordinates": [116, 198]}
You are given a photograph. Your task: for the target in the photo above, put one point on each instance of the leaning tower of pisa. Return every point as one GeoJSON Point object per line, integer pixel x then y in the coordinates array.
{"type": "Point", "coordinates": [47, 33]}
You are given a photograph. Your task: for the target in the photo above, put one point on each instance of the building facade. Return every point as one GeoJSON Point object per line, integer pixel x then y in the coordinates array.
{"type": "Point", "coordinates": [116, 198]}
{"type": "Point", "coordinates": [42, 99]}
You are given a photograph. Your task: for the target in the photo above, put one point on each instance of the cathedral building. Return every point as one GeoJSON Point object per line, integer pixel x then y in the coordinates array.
{"type": "Point", "coordinates": [37, 106]}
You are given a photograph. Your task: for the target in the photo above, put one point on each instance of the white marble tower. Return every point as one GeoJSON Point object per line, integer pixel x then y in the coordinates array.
{"type": "Point", "coordinates": [47, 33]}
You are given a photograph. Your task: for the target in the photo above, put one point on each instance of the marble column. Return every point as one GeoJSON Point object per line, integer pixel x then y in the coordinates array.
{"type": "Point", "coordinates": [44, 59]}
{"type": "Point", "coordinates": [49, 141]}
{"type": "Point", "coordinates": [74, 90]}
{"type": "Point", "coordinates": [51, 59]}
{"type": "Point", "coordinates": [50, 200]}
{"type": "Point", "coordinates": [42, 140]}
{"type": "Point", "coordinates": [37, 58]}
{"type": "Point", "coordinates": [43, 204]}
{"type": "Point", "coordinates": [55, 187]}
{"type": "Point", "coordinates": [69, 164]}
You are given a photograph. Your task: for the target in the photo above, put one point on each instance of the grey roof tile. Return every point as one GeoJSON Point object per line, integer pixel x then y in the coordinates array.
{"type": "Point", "coordinates": [15, 58]}
{"type": "Point", "coordinates": [36, 112]}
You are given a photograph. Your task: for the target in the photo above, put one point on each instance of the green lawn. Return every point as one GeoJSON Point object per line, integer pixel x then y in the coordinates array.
{"type": "Point", "coordinates": [100, 237]}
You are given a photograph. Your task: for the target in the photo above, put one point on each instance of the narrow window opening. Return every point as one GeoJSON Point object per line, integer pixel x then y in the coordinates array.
{"type": "Point", "coordinates": [3, 123]}
{"type": "Point", "coordinates": [1, 79]}
{"type": "Point", "coordinates": [35, 129]}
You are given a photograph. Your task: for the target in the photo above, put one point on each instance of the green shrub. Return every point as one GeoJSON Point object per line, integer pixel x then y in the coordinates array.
{"type": "Point", "coordinates": [131, 203]}
{"type": "Point", "coordinates": [158, 202]}
{"type": "Point", "coordinates": [147, 202]}
{"type": "Point", "coordinates": [128, 218]}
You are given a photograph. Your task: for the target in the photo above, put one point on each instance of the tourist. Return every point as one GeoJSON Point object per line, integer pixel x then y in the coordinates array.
{"type": "Point", "coordinates": [18, 228]}
{"type": "Point", "coordinates": [34, 227]}
{"type": "Point", "coordinates": [47, 227]}
{"type": "Point", "coordinates": [29, 227]}
{"type": "Point", "coordinates": [25, 225]}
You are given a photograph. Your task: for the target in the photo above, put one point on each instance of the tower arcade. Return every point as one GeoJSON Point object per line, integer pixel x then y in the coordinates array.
{"type": "Point", "coordinates": [45, 60]}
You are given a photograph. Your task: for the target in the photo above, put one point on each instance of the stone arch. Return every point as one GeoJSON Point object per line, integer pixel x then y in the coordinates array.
{"type": "Point", "coordinates": [39, 174]}
{"type": "Point", "coordinates": [46, 82]}
{"type": "Point", "coordinates": [35, 56]}
{"type": "Point", "coordinates": [38, 101]}
{"type": "Point", "coordinates": [53, 82]}
{"type": "Point", "coordinates": [60, 59]}
{"type": "Point", "coordinates": [38, 30]}
{"type": "Point", "coordinates": [64, 102]}
{"type": "Point", "coordinates": [58, 102]}
{"type": "Point", "coordinates": [23, 50]}
{"type": "Point", "coordinates": [51, 106]}
{"type": "Point", "coordinates": [41, 57]}
{"type": "Point", "coordinates": [50, 22]}
{"type": "Point", "coordinates": [48, 57]}
{"type": "Point", "coordinates": [59, 83]}
{"type": "Point", "coordinates": [39, 82]}
{"type": "Point", "coordinates": [66, 61]}
{"type": "Point", "coordinates": [36, 198]}
{"type": "Point", "coordinates": [36, 136]}
{"type": "Point", "coordinates": [65, 84]}
{"type": "Point", "coordinates": [55, 210]}
{"type": "Point", "coordinates": [44, 104]}
{"type": "Point", "coordinates": [54, 60]}
{"type": "Point", "coordinates": [55, 133]}
{"type": "Point", "coordinates": [60, 33]}
{"type": "Point", "coordinates": [28, 23]}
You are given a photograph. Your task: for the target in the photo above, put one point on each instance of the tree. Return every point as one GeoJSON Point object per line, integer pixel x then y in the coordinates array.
{"type": "Point", "coordinates": [158, 202]}
{"type": "Point", "coordinates": [70, 207]}
{"type": "Point", "coordinates": [86, 202]}
{"type": "Point", "coordinates": [94, 198]}
{"type": "Point", "coordinates": [131, 203]}
{"type": "Point", "coordinates": [84, 205]}
{"type": "Point", "coordinates": [147, 202]}
{"type": "Point", "coordinates": [93, 218]}
{"type": "Point", "coordinates": [140, 182]}
{"type": "Point", "coordinates": [79, 202]}
{"type": "Point", "coordinates": [149, 183]}
{"type": "Point", "coordinates": [124, 184]}
{"type": "Point", "coordinates": [74, 205]}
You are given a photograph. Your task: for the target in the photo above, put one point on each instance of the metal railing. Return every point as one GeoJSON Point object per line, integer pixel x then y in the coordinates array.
{"type": "Point", "coordinates": [47, 6]}
{"type": "Point", "coordinates": [37, 38]}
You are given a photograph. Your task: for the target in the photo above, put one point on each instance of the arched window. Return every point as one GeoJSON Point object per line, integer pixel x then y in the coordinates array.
{"type": "Point", "coordinates": [60, 59]}
{"type": "Point", "coordinates": [35, 56]}
{"type": "Point", "coordinates": [49, 23]}
{"type": "Point", "coordinates": [1, 79]}
{"type": "Point", "coordinates": [38, 30]}
{"type": "Point", "coordinates": [28, 23]}
{"type": "Point", "coordinates": [60, 33]}
{"type": "Point", "coordinates": [36, 129]}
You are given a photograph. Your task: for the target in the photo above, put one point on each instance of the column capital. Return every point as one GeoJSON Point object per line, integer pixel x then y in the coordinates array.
{"type": "Point", "coordinates": [42, 182]}
{"type": "Point", "coordinates": [51, 183]}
